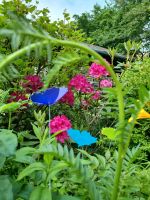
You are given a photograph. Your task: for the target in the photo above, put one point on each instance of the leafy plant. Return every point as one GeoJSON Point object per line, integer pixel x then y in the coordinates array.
{"type": "Point", "coordinates": [51, 158]}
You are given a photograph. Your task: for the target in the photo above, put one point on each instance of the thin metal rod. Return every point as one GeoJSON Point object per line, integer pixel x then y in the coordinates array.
{"type": "Point", "coordinates": [49, 114]}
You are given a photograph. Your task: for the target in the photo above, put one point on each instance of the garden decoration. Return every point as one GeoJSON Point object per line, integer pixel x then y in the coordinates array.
{"type": "Point", "coordinates": [48, 97]}
{"type": "Point", "coordinates": [81, 138]}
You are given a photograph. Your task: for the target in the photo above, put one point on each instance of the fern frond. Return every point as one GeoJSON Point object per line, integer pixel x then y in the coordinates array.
{"type": "Point", "coordinates": [21, 32]}
{"type": "Point", "coordinates": [3, 96]}
{"type": "Point", "coordinates": [65, 59]}
{"type": "Point", "coordinates": [8, 73]}
{"type": "Point", "coordinates": [74, 162]}
{"type": "Point", "coordinates": [131, 156]}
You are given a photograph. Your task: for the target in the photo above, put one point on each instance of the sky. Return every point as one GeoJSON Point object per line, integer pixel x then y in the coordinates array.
{"type": "Point", "coordinates": [57, 7]}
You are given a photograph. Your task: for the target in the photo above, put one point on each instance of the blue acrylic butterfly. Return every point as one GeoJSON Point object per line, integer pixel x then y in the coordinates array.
{"type": "Point", "coordinates": [49, 96]}
{"type": "Point", "coordinates": [81, 138]}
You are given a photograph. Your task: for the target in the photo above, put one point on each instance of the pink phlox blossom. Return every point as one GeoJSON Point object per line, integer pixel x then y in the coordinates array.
{"type": "Point", "coordinates": [96, 95]}
{"type": "Point", "coordinates": [105, 83]}
{"type": "Point", "coordinates": [97, 71]}
{"type": "Point", "coordinates": [58, 123]}
{"type": "Point", "coordinates": [33, 83]}
{"type": "Point", "coordinates": [85, 104]}
{"type": "Point", "coordinates": [80, 83]}
{"type": "Point", "coordinates": [68, 98]}
{"type": "Point", "coordinates": [17, 96]}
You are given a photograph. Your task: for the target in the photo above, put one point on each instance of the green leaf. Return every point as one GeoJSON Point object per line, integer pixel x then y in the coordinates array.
{"type": "Point", "coordinates": [111, 133]}
{"type": "Point", "coordinates": [8, 142]}
{"type": "Point", "coordinates": [10, 107]}
{"type": "Point", "coordinates": [41, 193]}
{"type": "Point", "coordinates": [2, 161]}
{"type": "Point", "coordinates": [58, 166]}
{"type": "Point", "coordinates": [62, 60]}
{"type": "Point", "coordinates": [37, 131]}
{"type": "Point", "coordinates": [48, 158]}
{"type": "Point", "coordinates": [24, 155]}
{"type": "Point", "coordinates": [5, 189]}
{"type": "Point", "coordinates": [38, 166]}
{"type": "Point", "coordinates": [25, 191]}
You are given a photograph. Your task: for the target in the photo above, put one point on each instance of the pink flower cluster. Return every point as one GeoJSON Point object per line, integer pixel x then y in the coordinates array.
{"type": "Point", "coordinates": [105, 83]}
{"type": "Point", "coordinates": [58, 123]}
{"type": "Point", "coordinates": [32, 84]}
{"type": "Point", "coordinates": [96, 95]}
{"type": "Point", "coordinates": [17, 96]}
{"type": "Point", "coordinates": [97, 71]}
{"type": "Point", "coordinates": [68, 98]}
{"type": "Point", "coordinates": [80, 83]}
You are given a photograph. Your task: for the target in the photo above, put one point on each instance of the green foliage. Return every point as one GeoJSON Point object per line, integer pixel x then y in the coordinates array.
{"type": "Point", "coordinates": [63, 60]}
{"type": "Point", "coordinates": [5, 188]}
{"type": "Point", "coordinates": [40, 193]}
{"type": "Point", "coordinates": [8, 142]}
{"type": "Point", "coordinates": [10, 107]}
{"type": "Point", "coordinates": [141, 136]}
{"type": "Point", "coordinates": [135, 76]}
{"type": "Point", "coordinates": [48, 167]}
{"type": "Point", "coordinates": [117, 23]}
{"type": "Point", "coordinates": [111, 133]}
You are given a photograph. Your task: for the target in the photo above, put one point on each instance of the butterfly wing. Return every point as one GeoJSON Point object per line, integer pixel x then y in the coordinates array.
{"type": "Point", "coordinates": [87, 139]}
{"type": "Point", "coordinates": [62, 92]}
{"type": "Point", "coordinates": [81, 138]}
{"type": "Point", "coordinates": [37, 98]}
{"type": "Point", "coordinates": [74, 135]}
{"type": "Point", "coordinates": [49, 96]}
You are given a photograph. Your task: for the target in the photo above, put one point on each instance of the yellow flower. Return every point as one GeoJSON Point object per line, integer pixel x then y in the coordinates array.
{"type": "Point", "coordinates": [141, 115]}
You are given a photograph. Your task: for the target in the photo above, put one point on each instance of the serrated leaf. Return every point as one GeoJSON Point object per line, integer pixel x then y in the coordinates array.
{"type": "Point", "coordinates": [60, 150]}
{"type": "Point", "coordinates": [38, 166]}
{"type": "Point", "coordinates": [37, 132]}
{"type": "Point", "coordinates": [61, 165]}
{"type": "Point", "coordinates": [111, 133]}
{"type": "Point", "coordinates": [62, 60]}
{"type": "Point", "coordinates": [24, 155]}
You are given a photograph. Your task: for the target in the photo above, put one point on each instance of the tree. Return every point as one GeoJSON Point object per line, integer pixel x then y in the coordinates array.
{"type": "Point", "coordinates": [118, 22]}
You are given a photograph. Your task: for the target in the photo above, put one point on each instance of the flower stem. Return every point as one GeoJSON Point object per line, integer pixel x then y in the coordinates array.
{"type": "Point", "coordinates": [118, 173]}
{"type": "Point", "coordinates": [49, 114]}
{"type": "Point", "coordinates": [9, 122]}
